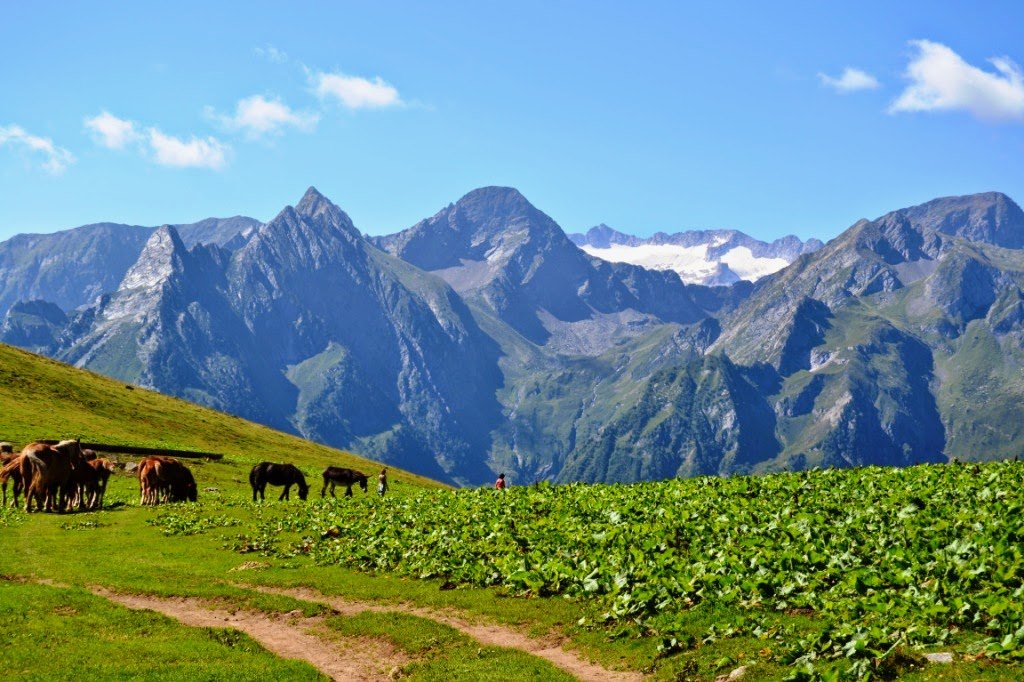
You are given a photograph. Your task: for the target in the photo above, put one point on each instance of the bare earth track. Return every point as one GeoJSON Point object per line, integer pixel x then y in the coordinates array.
{"type": "Point", "coordinates": [487, 634]}
{"type": "Point", "coordinates": [358, 660]}
{"type": "Point", "coordinates": [353, 659]}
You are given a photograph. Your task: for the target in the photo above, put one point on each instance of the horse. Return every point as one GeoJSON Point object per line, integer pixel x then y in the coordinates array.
{"type": "Point", "coordinates": [93, 484]}
{"type": "Point", "coordinates": [165, 478]}
{"type": "Point", "coordinates": [46, 473]}
{"type": "Point", "coordinates": [277, 474]}
{"type": "Point", "coordinates": [335, 476]}
{"type": "Point", "coordinates": [11, 471]}
{"type": "Point", "coordinates": [86, 479]}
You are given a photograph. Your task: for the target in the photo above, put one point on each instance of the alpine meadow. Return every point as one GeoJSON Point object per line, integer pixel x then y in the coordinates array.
{"type": "Point", "coordinates": [658, 342]}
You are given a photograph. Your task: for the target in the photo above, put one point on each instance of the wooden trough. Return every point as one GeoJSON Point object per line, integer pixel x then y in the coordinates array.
{"type": "Point", "coordinates": [142, 452]}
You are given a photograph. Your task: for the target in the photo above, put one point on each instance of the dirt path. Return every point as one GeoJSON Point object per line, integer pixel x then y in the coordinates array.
{"type": "Point", "coordinates": [487, 634]}
{"type": "Point", "coordinates": [360, 660]}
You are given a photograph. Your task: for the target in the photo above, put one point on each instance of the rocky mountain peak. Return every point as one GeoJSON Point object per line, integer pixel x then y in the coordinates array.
{"type": "Point", "coordinates": [162, 255]}
{"type": "Point", "coordinates": [989, 217]}
{"type": "Point", "coordinates": [313, 202]}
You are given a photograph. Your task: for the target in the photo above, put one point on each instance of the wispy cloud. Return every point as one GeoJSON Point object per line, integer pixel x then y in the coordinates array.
{"type": "Point", "coordinates": [940, 80]}
{"type": "Point", "coordinates": [166, 150]}
{"type": "Point", "coordinates": [113, 132]}
{"type": "Point", "coordinates": [354, 92]}
{"type": "Point", "coordinates": [851, 80]}
{"type": "Point", "coordinates": [195, 152]}
{"type": "Point", "coordinates": [257, 116]}
{"type": "Point", "coordinates": [56, 159]}
{"type": "Point", "coordinates": [271, 54]}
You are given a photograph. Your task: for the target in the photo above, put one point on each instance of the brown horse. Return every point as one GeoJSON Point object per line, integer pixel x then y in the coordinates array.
{"type": "Point", "coordinates": [335, 476]}
{"type": "Point", "coordinates": [11, 471]}
{"type": "Point", "coordinates": [165, 479]}
{"type": "Point", "coordinates": [46, 473]}
{"type": "Point", "coordinates": [104, 467]}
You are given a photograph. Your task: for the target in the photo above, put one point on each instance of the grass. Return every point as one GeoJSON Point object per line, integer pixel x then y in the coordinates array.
{"type": "Point", "coordinates": [54, 633]}
{"type": "Point", "coordinates": [122, 548]}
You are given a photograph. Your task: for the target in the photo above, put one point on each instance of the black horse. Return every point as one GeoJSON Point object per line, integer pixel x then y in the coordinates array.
{"type": "Point", "coordinates": [335, 476]}
{"type": "Point", "coordinates": [277, 474]}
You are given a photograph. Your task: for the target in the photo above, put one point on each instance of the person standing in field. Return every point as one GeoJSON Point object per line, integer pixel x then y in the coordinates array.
{"type": "Point", "coordinates": [500, 483]}
{"type": "Point", "coordinates": [382, 482]}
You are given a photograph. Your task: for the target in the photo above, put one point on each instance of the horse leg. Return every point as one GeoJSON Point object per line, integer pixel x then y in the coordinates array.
{"type": "Point", "coordinates": [284, 493]}
{"type": "Point", "coordinates": [348, 490]}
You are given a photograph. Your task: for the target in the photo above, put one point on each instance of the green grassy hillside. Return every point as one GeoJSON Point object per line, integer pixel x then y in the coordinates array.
{"type": "Point", "coordinates": [41, 398]}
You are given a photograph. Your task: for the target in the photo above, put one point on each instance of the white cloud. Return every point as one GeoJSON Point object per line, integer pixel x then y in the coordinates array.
{"type": "Point", "coordinates": [851, 80]}
{"type": "Point", "coordinates": [194, 153]}
{"type": "Point", "coordinates": [354, 92]}
{"type": "Point", "coordinates": [940, 80]}
{"type": "Point", "coordinates": [57, 158]}
{"type": "Point", "coordinates": [258, 116]}
{"type": "Point", "coordinates": [112, 132]}
{"type": "Point", "coordinates": [271, 54]}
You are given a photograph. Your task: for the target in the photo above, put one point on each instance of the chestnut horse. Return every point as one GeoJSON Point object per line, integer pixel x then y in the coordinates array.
{"type": "Point", "coordinates": [165, 479]}
{"type": "Point", "coordinates": [11, 471]}
{"type": "Point", "coordinates": [334, 476]}
{"type": "Point", "coordinates": [46, 473]}
{"type": "Point", "coordinates": [277, 474]}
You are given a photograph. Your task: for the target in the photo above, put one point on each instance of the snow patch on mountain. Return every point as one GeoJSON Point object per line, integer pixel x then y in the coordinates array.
{"type": "Point", "coordinates": [709, 257]}
{"type": "Point", "coordinates": [693, 263]}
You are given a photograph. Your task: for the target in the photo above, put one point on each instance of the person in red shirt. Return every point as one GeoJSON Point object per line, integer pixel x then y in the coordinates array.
{"type": "Point", "coordinates": [500, 483]}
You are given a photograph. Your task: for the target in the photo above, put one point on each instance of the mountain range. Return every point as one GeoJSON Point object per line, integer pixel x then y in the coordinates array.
{"type": "Point", "coordinates": [483, 339]}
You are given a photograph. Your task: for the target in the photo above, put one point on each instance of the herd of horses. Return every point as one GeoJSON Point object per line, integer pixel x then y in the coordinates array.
{"type": "Point", "coordinates": [61, 477]}
{"type": "Point", "coordinates": [56, 477]}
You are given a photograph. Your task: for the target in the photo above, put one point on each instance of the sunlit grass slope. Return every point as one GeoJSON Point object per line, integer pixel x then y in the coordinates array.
{"type": "Point", "coordinates": [41, 398]}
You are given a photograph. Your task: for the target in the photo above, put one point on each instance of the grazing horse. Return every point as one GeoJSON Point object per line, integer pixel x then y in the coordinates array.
{"type": "Point", "coordinates": [277, 474]}
{"type": "Point", "coordinates": [166, 479]}
{"type": "Point", "coordinates": [46, 473]}
{"type": "Point", "coordinates": [334, 476]}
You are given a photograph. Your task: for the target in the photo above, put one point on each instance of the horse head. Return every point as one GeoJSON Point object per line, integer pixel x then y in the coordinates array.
{"type": "Point", "coordinates": [72, 449]}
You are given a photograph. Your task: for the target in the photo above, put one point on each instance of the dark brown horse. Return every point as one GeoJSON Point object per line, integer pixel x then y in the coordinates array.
{"type": "Point", "coordinates": [335, 476]}
{"type": "Point", "coordinates": [277, 474]}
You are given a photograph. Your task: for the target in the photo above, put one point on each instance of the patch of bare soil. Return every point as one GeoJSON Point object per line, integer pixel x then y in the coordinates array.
{"type": "Point", "coordinates": [358, 660]}
{"type": "Point", "coordinates": [487, 634]}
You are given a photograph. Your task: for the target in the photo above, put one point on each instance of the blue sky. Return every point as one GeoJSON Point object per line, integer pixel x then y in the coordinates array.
{"type": "Point", "coordinates": [798, 118]}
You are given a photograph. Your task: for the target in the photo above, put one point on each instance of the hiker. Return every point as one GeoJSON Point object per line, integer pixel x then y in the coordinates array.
{"type": "Point", "coordinates": [382, 482]}
{"type": "Point", "coordinates": [500, 483]}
